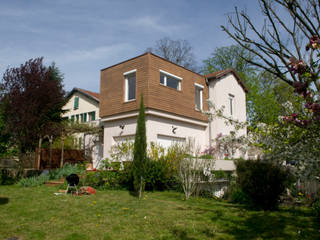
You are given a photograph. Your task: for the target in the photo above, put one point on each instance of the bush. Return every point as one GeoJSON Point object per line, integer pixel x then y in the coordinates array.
{"type": "Point", "coordinates": [236, 195]}
{"type": "Point", "coordinates": [33, 181]}
{"type": "Point", "coordinates": [262, 182]}
{"type": "Point", "coordinates": [159, 175]}
{"type": "Point", "coordinates": [6, 177]}
{"type": "Point", "coordinates": [316, 208]}
{"type": "Point", "coordinates": [107, 179]}
{"type": "Point", "coordinates": [66, 170]}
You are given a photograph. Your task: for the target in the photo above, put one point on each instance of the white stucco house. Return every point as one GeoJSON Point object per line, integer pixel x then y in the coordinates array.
{"type": "Point", "coordinates": [83, 106]}
{"type": "Point", "coordinates": [174, 99]}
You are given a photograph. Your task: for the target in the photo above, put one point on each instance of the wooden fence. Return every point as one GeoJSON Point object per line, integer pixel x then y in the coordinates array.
{"type": "Point", "coordinates": [69, 156]}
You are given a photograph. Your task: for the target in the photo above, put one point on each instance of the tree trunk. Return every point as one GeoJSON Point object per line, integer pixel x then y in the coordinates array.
{"type": "Point", "coordinates": [140, 188]}
{"type": "Point", "coordinates": [62, 151]}
{"type": "Point", "coordinates": [39, 153]}
{"type": "Point", "coordinates": [50, 156]}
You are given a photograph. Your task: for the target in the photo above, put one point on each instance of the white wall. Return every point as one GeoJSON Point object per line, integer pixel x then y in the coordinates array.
{"type": "Point", "coordinates": [155, 126]}
{"type": "Point", "coordinates": [86, 105]}
{"type": "Point", "coordinates": [219, 94]}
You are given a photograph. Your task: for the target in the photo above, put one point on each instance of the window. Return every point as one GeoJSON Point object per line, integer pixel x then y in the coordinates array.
{"type": "Point", "coordinates": [92, 116]}
{"type": "Point", "coordinates": [84, 117]}
{"type": "Point", "coordinates": [77, 117]}
{"type": "Point", "coordinates": [170, 80]}
{"type": "Point", "coordinates": [231, 104]}
{"type": "Point", "coordinates": [76, 103]}
{"type": "Point", "coordinates": [130, 85]}
{"type": "Point", "coordinates": [198, 96]}
{"type": "Point", "coordinates": [72, 118]}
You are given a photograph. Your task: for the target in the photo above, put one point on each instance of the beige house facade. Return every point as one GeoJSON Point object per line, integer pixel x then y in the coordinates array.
{"type": "Point", "coordinates": [83, 106]}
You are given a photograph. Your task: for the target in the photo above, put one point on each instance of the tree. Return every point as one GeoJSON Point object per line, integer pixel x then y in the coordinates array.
{"type": "Point", "coordinates": [140, 152]}
{"type": "Point", "coordinates": [176, 51]}
{"type": "Point", "coordinates": [32, 96]}
{"type": "Point", "coordinates": [5, 148]}
{"type": "Point", "coordinates": [285, 46]}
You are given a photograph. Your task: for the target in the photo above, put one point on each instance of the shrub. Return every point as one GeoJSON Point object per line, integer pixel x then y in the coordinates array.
{"type": "Point", "coordinates": [66, 170]}
{"type": "Point", "coordinates": [159, 175]}
{"type": "Point", "coordinates": [262, 182]}
{"type": "Point", "coordinates": [6, 177]}
{"type": "Point", "coordinates": [236, 195]}
{"type": "Point", "coordinates": [107, 179]}
{"type": "Point", "coordinates": [33, 181]}
{"type": "Point", "coordinates": [316, 208]}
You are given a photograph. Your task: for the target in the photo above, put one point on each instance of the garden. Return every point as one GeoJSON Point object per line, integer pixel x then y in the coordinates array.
{"type": "Point", "coordinates": [36, 213]}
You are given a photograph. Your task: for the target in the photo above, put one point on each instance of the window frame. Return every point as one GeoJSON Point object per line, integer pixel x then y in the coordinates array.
{"type": "Point", "coordinates": [76, 103]}
{"type": "Point", "coordinates": [179, 79]}
{"type": "Point", "coordinates": [198, 87]}
{"type": "Point", "coordinates": [231, 104]}
{"type": "Point", "coordinates": [126, 88]}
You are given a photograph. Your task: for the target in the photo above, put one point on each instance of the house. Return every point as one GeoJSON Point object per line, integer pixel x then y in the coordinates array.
{"type": "Point", "coordinates": [83, 106]}
{"type": "Point", "coordinates": [174, 99]}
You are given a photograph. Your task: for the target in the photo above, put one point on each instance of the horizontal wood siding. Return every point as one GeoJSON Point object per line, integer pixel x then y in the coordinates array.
{"type": "Point", "coordinates": [112, 87]}
{"type": "Point", "coordinates": [171, 100]}
{"type": "Point", "coordinates": [156, 96]}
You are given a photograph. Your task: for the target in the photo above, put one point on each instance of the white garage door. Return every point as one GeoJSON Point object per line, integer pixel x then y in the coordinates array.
{"type": "Point", "coordinates": [166, 141]}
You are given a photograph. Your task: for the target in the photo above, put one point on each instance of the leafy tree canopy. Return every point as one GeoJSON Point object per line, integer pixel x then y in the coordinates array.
{"type": "Point", "coordinates": [32, 96]}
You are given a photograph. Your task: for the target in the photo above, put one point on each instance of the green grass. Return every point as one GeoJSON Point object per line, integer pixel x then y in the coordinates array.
{"type": "Point", "coordinates": [36, 213]}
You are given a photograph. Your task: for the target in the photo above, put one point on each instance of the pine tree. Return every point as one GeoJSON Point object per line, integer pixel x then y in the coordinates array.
{"type": "Point", "coordinates": [140, 152]}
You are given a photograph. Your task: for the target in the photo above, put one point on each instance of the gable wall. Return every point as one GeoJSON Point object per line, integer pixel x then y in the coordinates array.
{"type": "Point", "coordinates": [85, 105]}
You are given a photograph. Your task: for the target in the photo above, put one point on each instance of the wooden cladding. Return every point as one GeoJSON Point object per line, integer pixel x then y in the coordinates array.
{"type": "Point", "coordinates": [156, 95]}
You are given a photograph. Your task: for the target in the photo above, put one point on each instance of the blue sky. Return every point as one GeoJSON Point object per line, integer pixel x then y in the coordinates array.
{"type": "Point", "coordinates": [83, 36]}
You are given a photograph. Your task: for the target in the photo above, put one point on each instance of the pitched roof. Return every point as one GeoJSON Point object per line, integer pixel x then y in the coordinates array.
{"type": "Point", "coordinates": [93, 95]}
{"type": "Point", "coordinates": [221, 73]}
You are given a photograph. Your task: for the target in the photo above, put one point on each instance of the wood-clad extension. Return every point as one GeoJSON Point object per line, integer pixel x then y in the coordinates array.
{"type": "Point", "coordinates": [156, 96]}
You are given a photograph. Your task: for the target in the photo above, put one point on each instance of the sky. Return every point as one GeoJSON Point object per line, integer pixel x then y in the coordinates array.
{"type": "Point", "coordinates": [84, 36]}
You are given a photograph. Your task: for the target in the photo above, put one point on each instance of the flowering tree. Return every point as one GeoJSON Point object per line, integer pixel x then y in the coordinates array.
{"type": "Point", "coordinates": [287, 46]}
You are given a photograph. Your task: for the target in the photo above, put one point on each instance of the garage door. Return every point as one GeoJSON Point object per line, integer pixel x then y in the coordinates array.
{"type": "Point", "coordinates": [167, 141]}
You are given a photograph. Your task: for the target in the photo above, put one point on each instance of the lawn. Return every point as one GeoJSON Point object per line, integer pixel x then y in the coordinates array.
{"type": "Point", "coordinates": [36, 213]}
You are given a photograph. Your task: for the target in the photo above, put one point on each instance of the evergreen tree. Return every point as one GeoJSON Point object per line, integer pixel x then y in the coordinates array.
{"type": "Point", "coordinates": [140, 152]}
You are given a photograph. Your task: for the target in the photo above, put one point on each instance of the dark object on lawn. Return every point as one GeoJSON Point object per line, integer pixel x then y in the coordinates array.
{"type": "Point", "coordinates": [73, 181]}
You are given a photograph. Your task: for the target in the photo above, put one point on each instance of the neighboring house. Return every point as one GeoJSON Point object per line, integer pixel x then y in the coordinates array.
{"type": "Point", "coordinates": [83, 106]}
{"type": "Point", "coordinates": [174, 99]}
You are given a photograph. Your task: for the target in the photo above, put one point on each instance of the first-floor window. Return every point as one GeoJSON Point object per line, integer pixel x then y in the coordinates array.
{"type": "Point", "coordinates": [198, 96]}
{"type": "Point", "coordinates": [130, 85]}
{"type": "Point", "coordinates": [92, 116]}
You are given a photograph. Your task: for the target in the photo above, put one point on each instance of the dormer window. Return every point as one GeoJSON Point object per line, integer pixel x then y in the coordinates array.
{"type": "Point", "coordinates": [170, 80]}
{"type": "Point", "coordinates": [130, 85]}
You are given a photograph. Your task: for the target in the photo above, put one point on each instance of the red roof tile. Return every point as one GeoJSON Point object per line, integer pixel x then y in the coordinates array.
{"type": "Point", "coordinates": [222, 73]}
{"type": "Point", "coordinates": [92, 94]}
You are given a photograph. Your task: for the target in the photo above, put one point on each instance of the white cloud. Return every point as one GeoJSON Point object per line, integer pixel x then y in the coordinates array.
{"type": "Point", "coordinates": [153, 23]}
{"type": "Point", "coordinates": [92, 54]}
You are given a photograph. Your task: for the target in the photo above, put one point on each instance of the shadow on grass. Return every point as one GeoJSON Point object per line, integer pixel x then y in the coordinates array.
{"type": "Point", "coordinates": [4, 200]}
{"type": "Point", "coordinates": [181, 234]}
{"type": "Point", "coordinates": [284, 223]}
